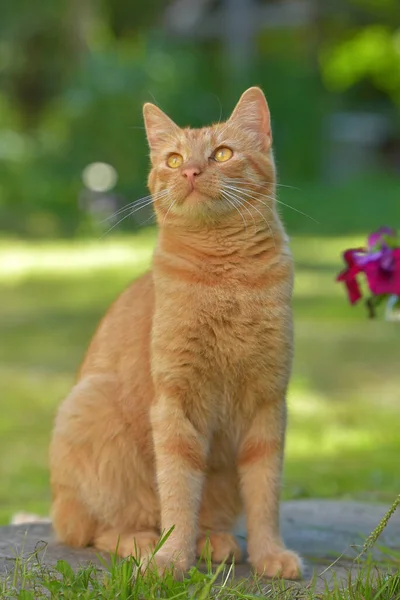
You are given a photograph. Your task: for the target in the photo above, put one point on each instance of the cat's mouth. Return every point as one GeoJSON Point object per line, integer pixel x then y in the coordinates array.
{"type": "Point", "coordinates": [195, 196]}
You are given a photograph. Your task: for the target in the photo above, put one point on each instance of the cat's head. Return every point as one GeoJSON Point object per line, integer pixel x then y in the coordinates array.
{"type": "Point", "coordinates": [214, 171]}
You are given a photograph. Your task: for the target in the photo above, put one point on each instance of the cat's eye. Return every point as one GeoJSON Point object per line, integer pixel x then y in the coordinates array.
{"type": "Point", "coordinates": [174, 161]}
{"type": "Point", "coordinates": [222, 154]}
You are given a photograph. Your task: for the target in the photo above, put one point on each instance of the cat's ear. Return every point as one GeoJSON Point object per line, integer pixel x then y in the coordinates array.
{"type": "Point", "coordinates": [159, 127]}
{"type": "Point", "coordinates": [252, 114]}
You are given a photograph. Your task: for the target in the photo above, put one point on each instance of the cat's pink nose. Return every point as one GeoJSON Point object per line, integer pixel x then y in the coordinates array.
{"type": "Point", "coordinates": [191, 173]}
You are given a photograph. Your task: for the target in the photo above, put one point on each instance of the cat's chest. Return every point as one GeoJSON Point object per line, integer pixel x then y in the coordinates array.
{"type": "Point", "coordinates": [230, 329]}
{"type": "Point", "coordinates": [217, 328]}
{"type": "Point", "coordinates": [230, 315]}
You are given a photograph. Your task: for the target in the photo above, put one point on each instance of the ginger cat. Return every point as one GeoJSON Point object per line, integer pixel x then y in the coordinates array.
{"type": "Point", "coordinates": [178, 415]}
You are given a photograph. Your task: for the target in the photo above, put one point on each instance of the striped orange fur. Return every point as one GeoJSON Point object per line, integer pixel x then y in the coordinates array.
{"type": "Point", "coordinates": [178, 415]}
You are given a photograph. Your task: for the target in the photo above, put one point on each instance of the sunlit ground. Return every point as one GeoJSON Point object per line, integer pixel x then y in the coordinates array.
{"type": "Point", "coordinates": [343, 437]}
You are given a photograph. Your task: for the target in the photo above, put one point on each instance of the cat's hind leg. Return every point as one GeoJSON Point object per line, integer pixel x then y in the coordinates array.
{"type": "Point", "coordinates": [75, 527]}
{"type": "Point", "coordinates": [137, 544]}
{"type": "Point", "coordinates": [101, 477]}
{"type": "Point", "coordinates": [71, 520]}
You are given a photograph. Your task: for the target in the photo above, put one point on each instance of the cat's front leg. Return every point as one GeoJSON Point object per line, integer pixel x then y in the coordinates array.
{"type": "Point", "coordinates": [260, 466]}
{"type": "Point", "coordinates": [181, 452]}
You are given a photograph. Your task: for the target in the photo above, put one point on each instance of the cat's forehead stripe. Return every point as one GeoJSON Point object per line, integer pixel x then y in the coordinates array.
{"type": "Point", "coordinates": [201, 140]}
{"type": "Point", "coordinates": [206, 137]}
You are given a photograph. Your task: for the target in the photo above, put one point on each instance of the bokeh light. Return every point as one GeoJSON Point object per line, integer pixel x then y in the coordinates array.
{"type": "Point", "coordinates": [100, 177]}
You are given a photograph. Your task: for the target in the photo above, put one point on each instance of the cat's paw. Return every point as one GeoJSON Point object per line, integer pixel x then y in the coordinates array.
{"type": "Point", "coordinates": [138, 544]}
{"type": "Point", "coordinates": [279, 563]}
{"type": "Point", "coordinates": [222, 545]}
{"type": "Point", "coordinates": [174, 562]}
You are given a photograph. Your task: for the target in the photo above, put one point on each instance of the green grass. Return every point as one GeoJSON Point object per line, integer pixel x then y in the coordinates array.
{"type": "Point", "coordinates": [32, 581]}
{"type": "Point", "coordinates": [112, 578]}
{"type": "Point", "coordinates": [343, 427]}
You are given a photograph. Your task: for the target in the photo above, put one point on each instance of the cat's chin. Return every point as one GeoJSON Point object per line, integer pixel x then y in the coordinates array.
{"type": "Point", "coordinates": [196, 206]}
{"type": "Point", "coordinates": [195, 198]}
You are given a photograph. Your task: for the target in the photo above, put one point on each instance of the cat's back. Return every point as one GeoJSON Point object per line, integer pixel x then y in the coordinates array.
{"type": "Point", "coordinates": [123, 334]}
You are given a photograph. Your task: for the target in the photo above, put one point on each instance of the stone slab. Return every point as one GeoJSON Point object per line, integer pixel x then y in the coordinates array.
{"type": "Point", "coordinates": [319, 530]}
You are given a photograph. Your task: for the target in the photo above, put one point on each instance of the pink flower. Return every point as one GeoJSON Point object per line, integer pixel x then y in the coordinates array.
{"type": "Point", "coordinates": [378, 236]}
{"type": "Point", "coordinates": [383, 275]}
{"type": "Point", "coordinates": [348, 276]}
{"type": "Point", "coordinates": [380, 262]}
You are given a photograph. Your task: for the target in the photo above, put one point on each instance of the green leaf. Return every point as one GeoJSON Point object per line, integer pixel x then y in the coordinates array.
{"type": "Point", "coordinates": [65, 570]}
{"type": "Point", "coordinates": [25, 595]}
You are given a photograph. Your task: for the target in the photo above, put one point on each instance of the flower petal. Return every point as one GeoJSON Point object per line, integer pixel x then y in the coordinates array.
{"type": "Point", "coordinates": [383, 281]}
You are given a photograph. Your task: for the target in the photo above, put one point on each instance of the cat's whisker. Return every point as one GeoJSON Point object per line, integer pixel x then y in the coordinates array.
{"type": "Point", "coordinates": [119, 211]}
{"type": "Point", "coordinates": [244, 183]}
{"type": "Point", "coordinates": [144, 205]}
{"type": "Point", "coordinates": [253, 180]}
{"type": "Point", "coordinates": [238, 205]}
{"type": "Point", "coordinates": [237, 202]}
{"type": "Point", "coordinates": [169, 208]}
{"type": "Point", "coordinates": [246, 186]}
{"type": "Point", "coordinates": [227, 196]}
{"type": "Point", "coordinates": [298, 211]}
{"type": "Point", "coordinates": [126, 208]}
{"type": "Point", "coordinates": [291, 187]}
{"type": "Point", "coordinates": [248, 211]}
{"type": "Point", "coordinates": [273, 198]}
{"type": "Point", "coordinates": [260, 213]}
{"type": "Point", "coordinates": [115, 225]}
{"type": "Point", "coordinates": [257, 182]}
{"type": "Point", "coordinates": [231, 203]}
{"type": "Point", "coordinates": [132, 212]}
{"type": "Point", "coordinates": [147, 220]}
{"type": "Point", "coordinates": [292, 208]}
{"type": "Point", "coordinates": [249, 183]}
{"type": "Point", "coordinates": [265, 219]}
{"type": "Point", "coordinates": [246, 194]}
{"type": "Point", "coordinates": [135, 203]}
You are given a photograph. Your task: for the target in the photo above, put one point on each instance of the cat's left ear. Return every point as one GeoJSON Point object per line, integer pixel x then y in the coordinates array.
{"type": "Point", "coordinates": [252, 114]}
{"type": "Point", "coordinates": [159, 127]}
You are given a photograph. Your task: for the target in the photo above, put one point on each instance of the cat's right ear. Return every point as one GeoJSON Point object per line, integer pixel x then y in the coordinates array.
{"type": "Point", "coordinates": [159, 127]}
{"type": "Point", "coordinates": [252, 114]}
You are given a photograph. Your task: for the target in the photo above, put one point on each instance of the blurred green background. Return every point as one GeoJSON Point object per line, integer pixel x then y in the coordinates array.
{"type": "Point", "coordinates": [73, 77]}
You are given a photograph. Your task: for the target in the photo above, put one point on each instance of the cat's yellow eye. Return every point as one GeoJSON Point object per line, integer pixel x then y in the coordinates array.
{"type": "Point", "coordinates": [174, 161]}
{"type": "Point", "coordinates": [222, 154]}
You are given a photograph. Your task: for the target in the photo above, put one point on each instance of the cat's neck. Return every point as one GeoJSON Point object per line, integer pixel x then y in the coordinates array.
{"type": "Point", "coordinates": [216, 247]}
